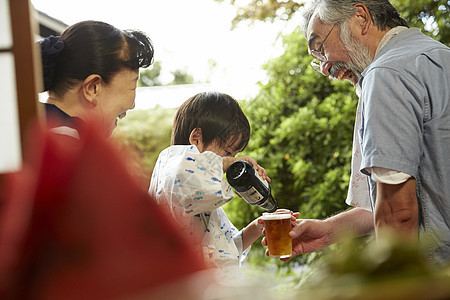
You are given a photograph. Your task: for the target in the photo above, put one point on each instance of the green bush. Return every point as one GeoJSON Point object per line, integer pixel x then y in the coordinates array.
{"type": "Point", "coordinates": [143, 134]}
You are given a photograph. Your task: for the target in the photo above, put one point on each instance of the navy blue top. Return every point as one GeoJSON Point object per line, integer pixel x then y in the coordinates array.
{"type": "Point", "coordinates": [57, 117]}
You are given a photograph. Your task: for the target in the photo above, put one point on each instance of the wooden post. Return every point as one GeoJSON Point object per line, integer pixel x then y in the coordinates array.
{"type": "Point", "coordinates": [27, 62]}
{"type": "Point", "coordinates": [27, 72]}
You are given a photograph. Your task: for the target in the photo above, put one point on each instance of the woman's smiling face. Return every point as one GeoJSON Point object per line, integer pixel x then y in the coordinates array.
{"type": "Point", "coordinates": [117, 98]}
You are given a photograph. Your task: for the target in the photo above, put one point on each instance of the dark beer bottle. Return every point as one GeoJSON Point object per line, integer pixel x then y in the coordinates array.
{"type": "Point", "coordinates": [250, 186]}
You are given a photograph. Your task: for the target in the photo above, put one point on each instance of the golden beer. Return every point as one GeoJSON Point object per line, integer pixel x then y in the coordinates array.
{"type": "Point", "coordinates": [277, 227]}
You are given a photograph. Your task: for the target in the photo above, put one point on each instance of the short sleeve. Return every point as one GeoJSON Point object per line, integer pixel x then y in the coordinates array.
{"type": "Point", "coordinates": [191, 181]}
{"type": "Point", "coordinates": [392, 112]}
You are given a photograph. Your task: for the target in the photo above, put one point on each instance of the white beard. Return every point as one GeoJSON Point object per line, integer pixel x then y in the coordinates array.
{"type": "Point", "coordinates": [360, 56]}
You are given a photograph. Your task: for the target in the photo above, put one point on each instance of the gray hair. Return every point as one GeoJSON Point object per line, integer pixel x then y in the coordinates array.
{"type": "Point", "coordinates": [383, 14]}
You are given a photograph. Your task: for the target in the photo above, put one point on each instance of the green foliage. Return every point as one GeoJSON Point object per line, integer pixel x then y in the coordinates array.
{"type": "Point", "coordinates": [283, 126]}
{"type": "Point", "coordinates": [393, 268]}
{"type": "Point", "coordinates": [432, 16]}
{"type": "Point", "coordinates": [264, 10]}
{"type": "Point", "coordinates": [181, 77]}
{"type": "Point", "coordinates": [144, 134]}
{"type": "Point", "coordinates": [302, 127]}
{"type": "Point", "coordinates": [150, 76]}
{"type": "Point", "coordinates": [434, 13]}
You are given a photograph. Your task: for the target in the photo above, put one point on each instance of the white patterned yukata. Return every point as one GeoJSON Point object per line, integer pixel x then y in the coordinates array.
{"type": "Point", "coordinates": [191, 184]}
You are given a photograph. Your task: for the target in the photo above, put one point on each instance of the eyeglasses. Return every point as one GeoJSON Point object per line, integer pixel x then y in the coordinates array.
{"type": "Point", "coordinates": [319, 57]}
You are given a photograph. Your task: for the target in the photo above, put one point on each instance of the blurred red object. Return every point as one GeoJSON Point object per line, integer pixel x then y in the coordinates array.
{"type": "Point", "coordinates": [74, 224]}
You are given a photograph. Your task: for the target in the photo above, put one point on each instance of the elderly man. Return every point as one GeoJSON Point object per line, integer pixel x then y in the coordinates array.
{"type": "Point", "coordinates": [400, 166]}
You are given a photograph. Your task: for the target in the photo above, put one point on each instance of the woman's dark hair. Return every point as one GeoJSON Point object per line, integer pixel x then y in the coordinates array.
{"type": "Point", "coordinates": [218, 115]}
{"type": "Point", "coordinates": [93, 47]}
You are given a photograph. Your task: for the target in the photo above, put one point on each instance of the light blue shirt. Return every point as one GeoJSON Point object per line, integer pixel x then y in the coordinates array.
{"type": "Point", "coordinates": [406, 126]}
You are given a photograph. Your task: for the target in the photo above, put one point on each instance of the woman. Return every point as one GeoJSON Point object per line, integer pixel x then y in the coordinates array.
{"type": "Point", "coordinates": [91, 72]}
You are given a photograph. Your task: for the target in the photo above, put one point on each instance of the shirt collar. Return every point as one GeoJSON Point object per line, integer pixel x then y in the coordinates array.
{"type": "Point", "coordinates": [386, 38]}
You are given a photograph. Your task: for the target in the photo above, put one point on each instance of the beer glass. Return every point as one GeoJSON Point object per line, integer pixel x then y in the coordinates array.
{"type": "Point", "coordinates": [277, 226]}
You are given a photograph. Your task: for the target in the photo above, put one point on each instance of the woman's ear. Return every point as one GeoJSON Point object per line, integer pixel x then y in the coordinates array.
{"type": "Point", "coordinates": [91, 88]}
{"type": "Point", "coordinates": [195, 138]}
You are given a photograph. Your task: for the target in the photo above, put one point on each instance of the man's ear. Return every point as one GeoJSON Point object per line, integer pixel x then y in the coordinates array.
{"type": "Point", "coordinates": [363, 17]}
{"type": "Point", "coordinates": [195, 138]}
{"type": "Point", "coordinates": [91, 88]}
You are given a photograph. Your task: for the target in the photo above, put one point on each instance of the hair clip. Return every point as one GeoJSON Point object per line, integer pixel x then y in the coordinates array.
{"type": "Point", "coordinates": [51, 45]}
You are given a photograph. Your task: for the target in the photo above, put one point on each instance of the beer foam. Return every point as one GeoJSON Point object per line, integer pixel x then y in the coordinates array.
{"type": "Point", "coordinates": [272, 216]}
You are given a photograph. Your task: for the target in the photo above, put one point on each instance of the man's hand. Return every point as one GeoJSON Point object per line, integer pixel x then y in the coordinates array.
{"type": "Point", "coordinates": [308, 235]}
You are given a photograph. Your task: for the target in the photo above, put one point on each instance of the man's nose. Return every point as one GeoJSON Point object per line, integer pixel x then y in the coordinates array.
{"type": "Point", "coordinates": [325, 68]}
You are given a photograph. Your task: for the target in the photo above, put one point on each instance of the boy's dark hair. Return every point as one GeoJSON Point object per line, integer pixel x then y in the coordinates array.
{"type": "Point", "coordinates": [218, 115]}
{"type": "Point", "coordinates": [93, 47]}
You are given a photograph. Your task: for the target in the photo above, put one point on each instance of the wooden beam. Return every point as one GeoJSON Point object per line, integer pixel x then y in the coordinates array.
{"type": "Point", "coordinates": [27, 63]}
